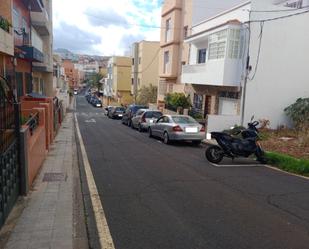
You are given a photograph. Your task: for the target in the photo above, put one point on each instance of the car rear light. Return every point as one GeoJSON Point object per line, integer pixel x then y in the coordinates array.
{"type": "Point", "coordinates": [177, 128]}
{"type": "Point", "coordinates": [143, 119]}
{"type": "Point", "coordinates": [202, 129]}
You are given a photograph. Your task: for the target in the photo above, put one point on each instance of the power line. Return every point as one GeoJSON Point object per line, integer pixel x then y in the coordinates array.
{"type": "Point", "coordinates": [148, 66]}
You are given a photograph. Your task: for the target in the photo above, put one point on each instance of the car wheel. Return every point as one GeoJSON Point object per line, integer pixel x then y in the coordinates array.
{"type": "Point", "coordinates": [140, 129]}
{"type": "Point", "coordinates": [150, 132]}
{"type": "Point", "coordinates": [166, 139]}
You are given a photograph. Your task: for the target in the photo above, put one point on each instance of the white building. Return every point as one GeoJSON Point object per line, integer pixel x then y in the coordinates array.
{"type": "Point", "coordinates": [216, 62]}
{"type": "Point", "coordinates": [279, 74]}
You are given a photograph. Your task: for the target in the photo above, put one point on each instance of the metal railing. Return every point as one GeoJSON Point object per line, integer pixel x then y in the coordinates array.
{"type": "Point", "coordinates": [33, 122]}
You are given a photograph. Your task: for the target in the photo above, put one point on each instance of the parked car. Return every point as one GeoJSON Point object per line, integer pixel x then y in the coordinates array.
{"type": "Point", "coordinates": [108, 109]}
{"type": "Point", "coordinates": [177, 128]}
{"type": "Point", "coordinates": [130, 112]}
{"type": "Point", "coordinates": [75, 91]}
{"type": "Point", "coordinates": [117, 112]}
{"type": "Point", "coordinates": [144, 118]}
{"type": "Point", "coordinates": [96, 102]}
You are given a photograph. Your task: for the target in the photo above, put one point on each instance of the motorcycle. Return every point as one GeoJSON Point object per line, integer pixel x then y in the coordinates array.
{"type": "Point", "coordinates": [232, 147]}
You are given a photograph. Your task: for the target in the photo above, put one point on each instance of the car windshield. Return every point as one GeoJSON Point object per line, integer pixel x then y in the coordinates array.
{"type": "Point", "coordinates": [153, 114]}
{"type": "Point", "coordinates": [119, 109]}
{"type": "Point", "coordinates": [183, 120]}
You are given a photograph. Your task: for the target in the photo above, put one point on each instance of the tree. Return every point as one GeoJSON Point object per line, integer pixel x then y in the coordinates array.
{"type": "Point", "coordinates": [147, 94]}
{"type": "Point", "coordinates": [95, 81]}
{"type": "Point", "coordinates": [176, 100]}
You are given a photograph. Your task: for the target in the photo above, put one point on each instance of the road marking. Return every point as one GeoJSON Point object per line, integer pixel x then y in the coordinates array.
{"type": "Point", "coordinates": [288, 173]}
{"type": "Point", "coordinates": [235, 165]}
{"type": "Point", "coordinates": [105, 237]}
{"type": "Point", "coordinates": [90, 121]}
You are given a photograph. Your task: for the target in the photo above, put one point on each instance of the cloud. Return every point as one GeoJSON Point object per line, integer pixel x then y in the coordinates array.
{"type": "Point", "coordinates": [77, 40]}
{"type": "Point", "coordinates": [105, 17]}
{"type": "Point", "coordinates": [105, 27]}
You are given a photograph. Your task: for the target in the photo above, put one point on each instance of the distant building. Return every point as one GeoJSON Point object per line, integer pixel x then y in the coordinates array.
{"type": "Point", "coordinates": [145, 62]}
{"type": "Point", "coordinates": [118, 83]}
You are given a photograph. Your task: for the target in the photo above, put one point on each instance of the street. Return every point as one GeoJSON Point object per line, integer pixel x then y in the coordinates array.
{"type": "Point", "coordinates": [168, 196]}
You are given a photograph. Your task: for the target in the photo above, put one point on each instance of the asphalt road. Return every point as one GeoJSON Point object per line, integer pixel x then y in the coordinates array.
{"type": "Point", "coordinates": [158, 196]}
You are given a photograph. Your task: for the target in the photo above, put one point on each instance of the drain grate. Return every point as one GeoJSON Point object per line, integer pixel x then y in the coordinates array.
{"type": "Point", "coordinates": [53, 177]}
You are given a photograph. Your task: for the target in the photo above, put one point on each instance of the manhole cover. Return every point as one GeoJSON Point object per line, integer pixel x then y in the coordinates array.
{"type": "Point", "coordinates": [53, 177]}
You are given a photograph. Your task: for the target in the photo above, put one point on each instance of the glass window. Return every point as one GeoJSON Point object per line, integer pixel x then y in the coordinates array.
{"type": "Point", "coordinates": [234, 44]}
{"type": "Point", "coordinates": [198, 101]}
{"type": "Point", "coordinates": [183, 120]}
{"type": "Point", "coordinates": [166, 61]}
{"type": "Point", "coordinates": [201, 56]}
{"type": "Point", "coordinates": [168, 30]}
{"type": "Point", "coordinates": [153, 114]}
{"type": "Point", "coordinates": [217, 45]}
{"type": "Point", "coordinates": [185, 32]}
{"type": "Point", "coordinates": [15, 18]}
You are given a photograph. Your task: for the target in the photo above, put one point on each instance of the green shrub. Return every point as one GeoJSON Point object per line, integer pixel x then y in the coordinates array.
{"type": "Point", "coordinates": [299, 113]}
{"type": "Point", "coordinates": [176, 100]}
{"type": "Point", "coordinates": [5, 24]}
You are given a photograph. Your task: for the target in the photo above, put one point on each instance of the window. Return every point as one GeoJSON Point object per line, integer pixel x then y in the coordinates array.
{"type": "Point", "coordinates": [15, 18]}
{"type": "Point", "coordinates": [132, 61]}
{"type": "Point", "coordinates": [198, 101]}
{"type": "Point", "coordinates": [168, 30]}
{"type": "Point", "coordinates": [217, 45]}
{"type": "Point", "coordinates": [185, 32]}
{"type": "Point", "coordinates": [201, 56]}
{"type": "Point", "coordinates": [25, 25]}
{"type": "Point", "coordinates": [234, 44]}
{"type": "Point", "coordinates": [132, 81]}
{"type": "Point", "coordinates": [166, 61]}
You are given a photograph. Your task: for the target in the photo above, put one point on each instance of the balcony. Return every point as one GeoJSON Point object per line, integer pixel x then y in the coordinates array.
{"type": "Point", "coordinates": [28, 51]}
{"type": "Point", "coordinates": [44, 66]}
{"type": "Point", "coordinates": [6, 38]}
{"type": "Point", "coordinates": [223, 72]}
{"type": "Point", "coordinates": [40, 21]}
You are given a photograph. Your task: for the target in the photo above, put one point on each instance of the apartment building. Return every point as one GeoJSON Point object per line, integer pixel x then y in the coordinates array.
{"type": "Point", "coordinates": [72, 74]}
{"type": "Point", "coordinates": [145, 62]}
{"type": "Point", "coordinates": [117, 87]}
{"type": "Point", "coordinates": [6, 39]}
{"type": "Point", "coordinates": [42, 37]}
{"type": "Point", "coordinates": [176, 22]}
{"type": "Point", "coordinates": [217, 61]}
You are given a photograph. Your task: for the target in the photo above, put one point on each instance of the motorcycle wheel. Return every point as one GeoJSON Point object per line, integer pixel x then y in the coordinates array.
{"type": "Point", "coordinates": [214, 154]}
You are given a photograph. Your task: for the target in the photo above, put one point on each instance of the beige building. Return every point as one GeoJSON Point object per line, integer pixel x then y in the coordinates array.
{"type": "Point", "coordinates": [176, 22]}
{"type": "Point", "coordinates": [118, 82]}
{"type": "Point", "coordinates": [42, 37]}
{"type": "Point", "coordinates": [145, 62]}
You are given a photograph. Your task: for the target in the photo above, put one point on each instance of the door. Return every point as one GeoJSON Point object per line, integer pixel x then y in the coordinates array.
{"type": "Point", "coordinates": [207, 107]}
{"type": "Point", "coordinates": [9, 154]}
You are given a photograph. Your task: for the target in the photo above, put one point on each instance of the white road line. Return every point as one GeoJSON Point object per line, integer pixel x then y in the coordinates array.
{"type": "Point", "coordinates": [235, 165]}
{"type": "Point", "coordinates": [288, 173]}
{"type": "Point", "coordinates": [105, 237]}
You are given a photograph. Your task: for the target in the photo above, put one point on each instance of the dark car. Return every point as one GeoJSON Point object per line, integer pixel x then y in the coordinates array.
{"type": "Point", "coordinates": [130, 112]}
{"type": "Point", "coordinates": [116, 112]}
{"type": "Point", "coordinates": [96, 102]}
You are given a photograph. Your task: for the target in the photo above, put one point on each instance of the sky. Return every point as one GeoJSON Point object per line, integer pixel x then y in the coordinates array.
{"type": "Point", "coordinates": [104, 27]}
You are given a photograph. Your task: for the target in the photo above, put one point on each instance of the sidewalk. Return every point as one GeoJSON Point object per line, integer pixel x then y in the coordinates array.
{"type": "Point", "coordinates": [53, 216]}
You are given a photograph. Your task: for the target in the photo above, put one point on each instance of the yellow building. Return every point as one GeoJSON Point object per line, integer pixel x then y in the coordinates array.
{"type": "Point", "coordinates": [145, 64]}
{"type": "Point", "coordinates": [118, 83]}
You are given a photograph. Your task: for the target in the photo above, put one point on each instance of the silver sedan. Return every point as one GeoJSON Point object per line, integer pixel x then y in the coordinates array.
{"type": "Point", "coordinates": [178, 128]}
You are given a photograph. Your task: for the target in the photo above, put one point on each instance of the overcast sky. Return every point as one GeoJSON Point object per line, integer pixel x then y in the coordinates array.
{"type": "Point", "coordinates": [104, 27]}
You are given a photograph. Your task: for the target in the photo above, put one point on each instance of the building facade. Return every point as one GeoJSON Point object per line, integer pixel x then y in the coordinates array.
{"type": "Point", "coordinates": [176, 22]}
{"type": "Point", "coordinates": [279, 74]}
{"type": "Point", "coordinates": [145, 62]}
{"type": "Point", "coordinates": [117, 86]}
{"type": "Point", "coordinates": [216, 62]}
